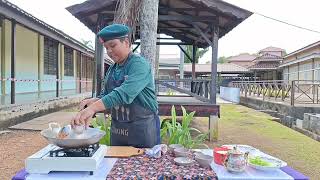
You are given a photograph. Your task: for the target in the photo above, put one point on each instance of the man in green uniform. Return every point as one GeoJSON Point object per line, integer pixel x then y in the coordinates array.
{"type": "Point", "coordinates": [129, 93]}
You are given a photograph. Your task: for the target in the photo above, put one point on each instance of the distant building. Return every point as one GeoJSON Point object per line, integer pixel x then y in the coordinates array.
{"type": "Point", "coordinates": [244, 59]}
{"type": "Point", "coordinates": [43, 56]}
{"type": "Point", "coordinates": [225, 69]}
{"type": "Point", "coordinates": [266, 64]}
{"type": "Point", "coordinates": [302, 64]}
{"type": "Point", "coordinates": [169, 65]}
{"type": "Point", "coordinates": [274, 51]}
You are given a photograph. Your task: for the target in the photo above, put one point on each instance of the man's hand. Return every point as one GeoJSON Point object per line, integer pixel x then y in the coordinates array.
{"type": "Point", "coordinates": [87, 102]}
{"type": "Point", "coordinates": [83, 117]}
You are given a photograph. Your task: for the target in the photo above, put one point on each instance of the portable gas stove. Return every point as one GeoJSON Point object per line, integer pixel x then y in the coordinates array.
{"type": "Point", "coordinates": [54, 158]}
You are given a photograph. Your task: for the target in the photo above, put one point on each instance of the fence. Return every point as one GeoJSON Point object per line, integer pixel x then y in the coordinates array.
{"type": "Point", "coordinates": [293, 92]}
{"type": "Point", "coordinates": [199, 88]}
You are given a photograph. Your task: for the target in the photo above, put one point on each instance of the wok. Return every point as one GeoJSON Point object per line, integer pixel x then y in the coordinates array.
{"type": "Point", "coordinates": [88, 137]}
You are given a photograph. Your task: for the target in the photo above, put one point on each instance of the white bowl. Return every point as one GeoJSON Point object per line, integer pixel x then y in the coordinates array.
{"type": "Point", "coordinates": [183, 161]}
{"type": "Point", "coordinates": [181, 152]}
{"type": "Point", "coordinates": [274, 164]}
{"type": "Point", "coordinates": [204, 160]}
{"type": "Point", "coordinates": [198, 153]}
{"type": "Point", "coordinates": [174, 146]}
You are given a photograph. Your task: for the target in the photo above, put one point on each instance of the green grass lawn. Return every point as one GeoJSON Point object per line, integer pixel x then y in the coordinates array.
{"type": "Point", "coordinates": [242, 125]}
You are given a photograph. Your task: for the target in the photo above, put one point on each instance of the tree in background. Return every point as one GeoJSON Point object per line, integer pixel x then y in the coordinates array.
{"type": "Point", "coordinates": [223, 59]}
{"type": "Point", "coordinates": [199, 53]}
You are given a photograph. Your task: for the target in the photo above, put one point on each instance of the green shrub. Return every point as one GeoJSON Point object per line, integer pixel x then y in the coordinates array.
{"type": "Point", "coordinates": [174, 132]}
{"type": "Point", "coordinates": [104, 125]}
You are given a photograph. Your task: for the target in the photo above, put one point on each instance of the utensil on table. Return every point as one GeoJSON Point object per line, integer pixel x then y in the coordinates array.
{"type": "Point", "coordinates": [123, 151]}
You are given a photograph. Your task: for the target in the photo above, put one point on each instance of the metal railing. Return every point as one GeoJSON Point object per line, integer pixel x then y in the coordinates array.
{"type": "Point", "coordinates": [198, 87]}
{"type": "Point", "coordinates": [293, 92]}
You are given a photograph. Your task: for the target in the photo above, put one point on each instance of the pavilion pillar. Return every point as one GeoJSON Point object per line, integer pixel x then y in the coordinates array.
{"type": "Point", "coordinates": [194, 62]}
{"type": "Point", "coordinates": [13, 61]}
{"type": "Point", "coordinates": [193, 68]}
{"type": "Point", "coordinates": [99, 66]}
{"type": "Point", "coordinates": [99, 63]}
{"type": "Point", "coordinates": [214, 61]}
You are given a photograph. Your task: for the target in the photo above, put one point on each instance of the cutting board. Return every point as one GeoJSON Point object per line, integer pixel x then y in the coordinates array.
{"type": "Point", "coordinates": [123, 151]}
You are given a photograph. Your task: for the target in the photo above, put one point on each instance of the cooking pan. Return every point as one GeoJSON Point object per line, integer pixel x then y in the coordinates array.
{"type": "Point", "coordinates": [88, 137]}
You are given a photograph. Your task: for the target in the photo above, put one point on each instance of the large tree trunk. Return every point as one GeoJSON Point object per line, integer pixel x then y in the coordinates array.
{"type": "Point", "coordinates": [148, 30]}
{"type": "Point", "coordinates": [156, 72]}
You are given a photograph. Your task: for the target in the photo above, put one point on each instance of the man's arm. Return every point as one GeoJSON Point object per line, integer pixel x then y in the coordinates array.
{"type": "Point", "coordinates": [138, 77]}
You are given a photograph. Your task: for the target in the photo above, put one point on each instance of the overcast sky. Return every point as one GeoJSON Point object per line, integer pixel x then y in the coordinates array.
{"type": "Point", "coordinates": [250, 36]}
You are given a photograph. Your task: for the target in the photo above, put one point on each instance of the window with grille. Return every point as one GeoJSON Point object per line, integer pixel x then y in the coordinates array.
{"type": "Point", "coordinates": [78, 64]}
{"type": "Point", "coordinates": [68, 61]}
{"type": "Point", "coordinates": [91, 66]}
{"type": "Point", "coordinates": [88, 68]}
{"type": "Point", "coordinates": [50, 56]}
{"type": "Point", "coordinates": [84, 67]}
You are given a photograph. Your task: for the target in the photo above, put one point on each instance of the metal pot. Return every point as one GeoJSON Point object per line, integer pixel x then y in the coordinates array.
{"type": "Point", "coordinates": [89, 136]}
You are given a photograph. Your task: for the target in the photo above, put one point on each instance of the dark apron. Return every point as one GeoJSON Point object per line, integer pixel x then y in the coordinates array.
{"type": "Point", "coordinates": [132, 124]}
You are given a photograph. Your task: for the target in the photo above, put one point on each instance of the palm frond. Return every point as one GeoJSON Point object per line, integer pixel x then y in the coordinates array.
{"type": "Point", "coordinates": [127, 12]}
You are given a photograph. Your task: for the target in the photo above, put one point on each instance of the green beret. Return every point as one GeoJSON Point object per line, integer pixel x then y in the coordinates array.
{"type": "Point", "coordinates": [114, 31]}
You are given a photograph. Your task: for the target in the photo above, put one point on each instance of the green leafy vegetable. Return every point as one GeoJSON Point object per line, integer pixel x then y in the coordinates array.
{"type": "Point", "coordinates": [259, 161]}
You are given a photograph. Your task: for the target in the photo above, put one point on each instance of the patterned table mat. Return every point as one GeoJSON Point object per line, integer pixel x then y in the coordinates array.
{"type": "Point", "coordinates": [143, 167]}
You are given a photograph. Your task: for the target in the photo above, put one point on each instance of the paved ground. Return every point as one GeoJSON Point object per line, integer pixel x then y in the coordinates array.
{"type": "Point", "coordinates": [40, 123]}
{"type": "Point", "coordinates": [63, 117]}
{"type": "Point", "coordinates": [15, 147]}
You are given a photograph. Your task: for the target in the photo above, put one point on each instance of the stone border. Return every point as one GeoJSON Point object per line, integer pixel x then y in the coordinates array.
{"type": "Point", "coordinates": [288, 115]}
{"type": "Point", "coordinates": [307, 133]}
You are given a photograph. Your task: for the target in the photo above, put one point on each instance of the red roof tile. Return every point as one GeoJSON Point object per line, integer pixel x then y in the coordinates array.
{"type": "Point", "coordinates": [265, 65]}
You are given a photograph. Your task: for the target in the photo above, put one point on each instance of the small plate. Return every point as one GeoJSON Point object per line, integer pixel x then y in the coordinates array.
{"type": "Point", "coordinates": [181, 152]}
{"type": "Point", "coordinates": [274, 163]}
{"type": "Point", "coordinates": [183, 161]}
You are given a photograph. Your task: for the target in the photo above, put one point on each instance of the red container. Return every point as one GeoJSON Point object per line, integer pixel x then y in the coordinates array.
{"type": "Point", "coordinates": [220, 154]}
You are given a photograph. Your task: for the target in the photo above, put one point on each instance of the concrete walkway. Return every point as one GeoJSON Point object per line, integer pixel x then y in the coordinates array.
{"type": "Point", "coordinates": [222, 101]}
{"type": "Point", "coordinates": [40, 123]}
{"type": "Point", "coordinates": [64, 118]}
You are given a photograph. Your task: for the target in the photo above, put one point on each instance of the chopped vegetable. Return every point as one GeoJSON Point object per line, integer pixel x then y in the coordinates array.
{"type": "Point", "coordinates": [258, 161]}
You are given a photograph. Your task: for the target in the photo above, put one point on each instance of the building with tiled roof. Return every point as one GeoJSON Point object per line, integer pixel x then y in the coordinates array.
{"type": "Point", "coordinates": [273, 50]}
{"type": "Point", "coordinates": [226, 68]}
{"type": "Point", "coordinates": [244, 59]}
{"type": "Point", "coordinates": [266, 65]}
{"type": "Point", "coordinates": [266, 62]}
